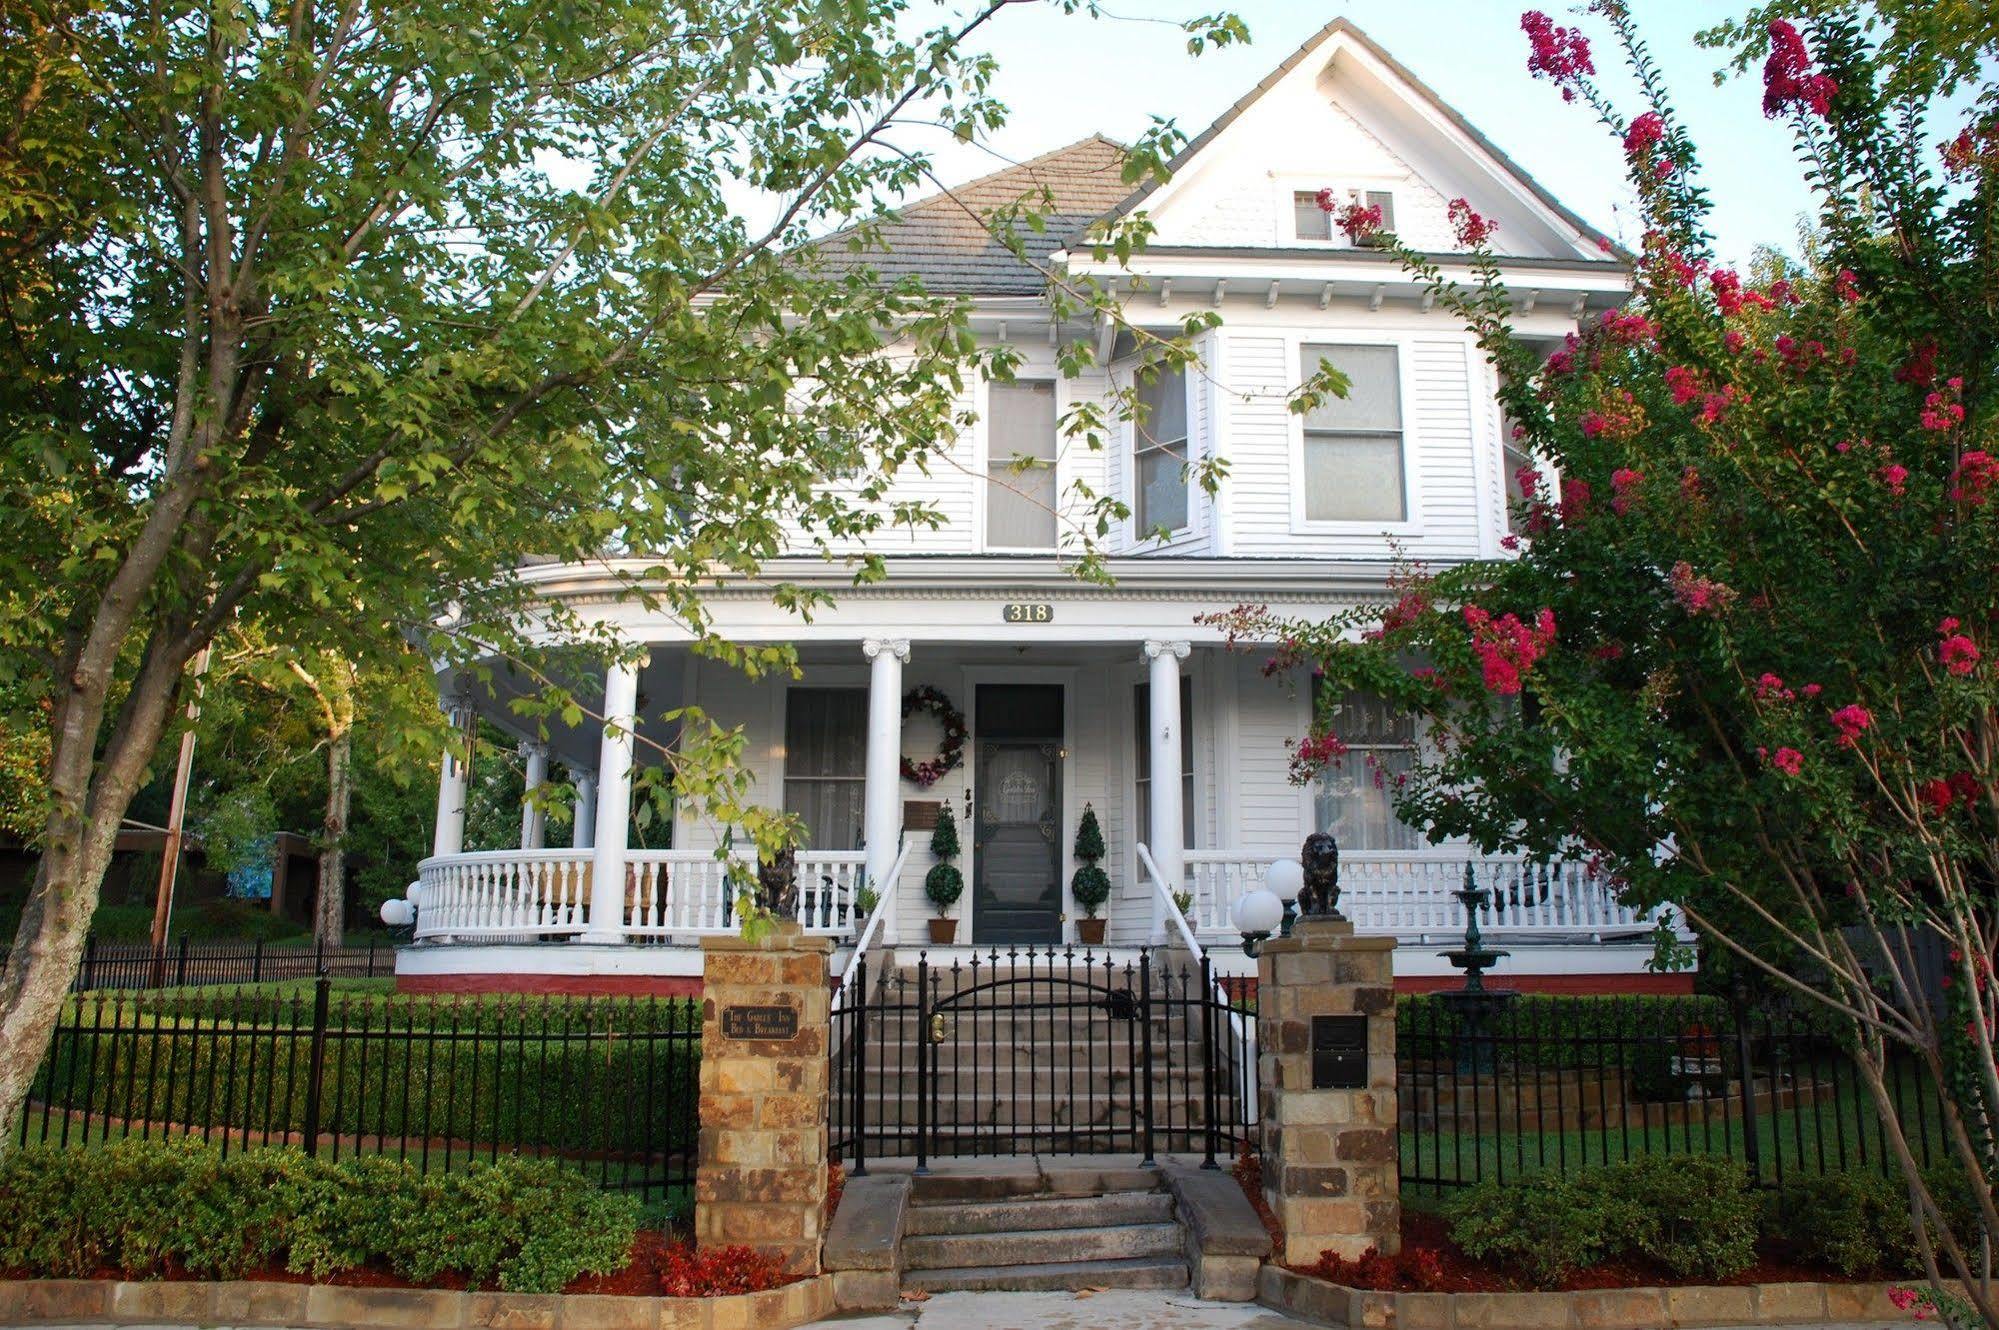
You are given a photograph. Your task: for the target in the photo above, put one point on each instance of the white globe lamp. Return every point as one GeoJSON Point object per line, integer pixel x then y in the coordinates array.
{"type": "Point", "coordinates": [398, 913]}
{"type": "Point", "coordinates": [1285, 878]}
{"type": "Point", "coordinates": [1256, 915]}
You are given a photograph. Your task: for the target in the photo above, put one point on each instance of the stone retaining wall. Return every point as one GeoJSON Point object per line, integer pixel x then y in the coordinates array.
{"type": "Point", "coordinates": [1694, 1308]}
{"type": "Point", "coordinates": [259, 1303]}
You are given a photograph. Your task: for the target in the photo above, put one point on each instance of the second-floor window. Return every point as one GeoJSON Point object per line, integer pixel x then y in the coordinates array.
{"type": "Point", "coordinates": [1020, 465]}
{"type": "Point", "coordinates": [1353, 444]}
{"type": "Point", "coordinates": [825, 755]}
{"type": "Point", "coordinates": [1159, 450]}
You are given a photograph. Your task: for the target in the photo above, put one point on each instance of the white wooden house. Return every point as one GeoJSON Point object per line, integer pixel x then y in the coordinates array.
{"type": "Point", "coordinates": [1113, 697]}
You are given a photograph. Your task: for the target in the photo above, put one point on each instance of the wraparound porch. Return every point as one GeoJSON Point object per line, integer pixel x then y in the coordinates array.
{"type": "Point", "coordinates": [1179, 747]}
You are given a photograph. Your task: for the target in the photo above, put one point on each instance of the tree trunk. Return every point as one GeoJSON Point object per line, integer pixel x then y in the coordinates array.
{"type": "Point", "coordinates": [330, 911]}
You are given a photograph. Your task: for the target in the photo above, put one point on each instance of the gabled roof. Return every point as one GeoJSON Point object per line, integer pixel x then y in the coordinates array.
{"type": "Point", "coordinates": [945, 240]}
{"type": "Point", "coordinates": [1339, 26]}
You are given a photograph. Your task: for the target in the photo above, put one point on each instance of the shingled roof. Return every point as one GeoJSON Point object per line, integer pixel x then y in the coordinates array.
{"type": "Point", "coordinates": [944, 239]}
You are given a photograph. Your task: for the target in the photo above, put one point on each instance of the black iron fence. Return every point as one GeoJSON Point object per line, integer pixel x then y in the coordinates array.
{"type": "Point", "coordinates": [1039, 1051]}
{"type": "Point", "coordinates": [608, 1085]}
{"type": "Point", "coordinates": [1564, 1083]}
{"type": "Point", "coordinates": [141, 965]}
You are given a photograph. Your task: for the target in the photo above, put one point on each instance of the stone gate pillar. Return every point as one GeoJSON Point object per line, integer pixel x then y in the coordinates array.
{"type": "Point", "coordinates": [761, 1180]}
{"type": "Point", "coordinates": [1326, 1074]}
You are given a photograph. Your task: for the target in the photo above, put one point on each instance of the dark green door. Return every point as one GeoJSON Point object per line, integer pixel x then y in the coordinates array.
{"type": "Point", "coordinates": [1017, 825]}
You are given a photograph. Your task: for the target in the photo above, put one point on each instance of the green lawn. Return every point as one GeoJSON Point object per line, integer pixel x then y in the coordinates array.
{"type": "Point", "coordinates": [1836, 1132]}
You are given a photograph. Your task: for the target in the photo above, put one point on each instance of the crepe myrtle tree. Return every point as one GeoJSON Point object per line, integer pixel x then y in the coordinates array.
{"type": "Point", "coordinates": [326, 315]}
{"type": "Point", "coordinates": [1742, 646]}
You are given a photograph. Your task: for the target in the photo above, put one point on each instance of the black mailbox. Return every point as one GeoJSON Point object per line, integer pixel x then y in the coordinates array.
{"type": "Point", "coordinates": [1339, 1052]}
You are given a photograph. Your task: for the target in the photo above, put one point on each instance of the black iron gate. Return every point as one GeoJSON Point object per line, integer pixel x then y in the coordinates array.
{"type": "Point", "coordinates": [1040, 1051]}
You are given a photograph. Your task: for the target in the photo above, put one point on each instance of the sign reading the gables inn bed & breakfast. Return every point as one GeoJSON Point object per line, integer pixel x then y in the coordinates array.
{"type": "Point", "coordinates": [760, 1022]}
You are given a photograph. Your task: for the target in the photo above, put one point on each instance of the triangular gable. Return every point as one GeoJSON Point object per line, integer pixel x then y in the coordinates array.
{"type": "Point", "coordinates": [1343, 110]}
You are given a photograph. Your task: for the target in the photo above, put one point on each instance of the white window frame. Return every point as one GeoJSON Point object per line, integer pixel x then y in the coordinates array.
{"type": "Point", "coordinates": [1398, 187]}
{"type": "Point", "coordinates": [1033, 372]}
{"type": "Point", "coordinates": [1412, 522]}
{"type": "Point", "coordinates": [1137, 536]}
{"type": "Point", "coordinates": [1357, 755]}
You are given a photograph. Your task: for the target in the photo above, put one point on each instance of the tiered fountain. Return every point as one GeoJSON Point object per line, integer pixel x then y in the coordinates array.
{"type": "Point", "coordinates": [1475, 1006]}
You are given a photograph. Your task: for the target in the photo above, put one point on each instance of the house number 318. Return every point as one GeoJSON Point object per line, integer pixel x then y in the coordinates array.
{"type": "Point", "coordinates": [1028, 613]}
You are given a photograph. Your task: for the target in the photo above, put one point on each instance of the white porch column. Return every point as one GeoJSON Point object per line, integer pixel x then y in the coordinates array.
{"type": "Point", "coordinates": [614, 805]}
{"type": "Point", "coordinates": [453, 775]}
{"type": "Point", "coordinates": [534, 819]}
{"type": "Point", "coordinates": [583, 827]}
{"type": "Point", "coordinates": [1167, 835]}
{"type": "Point", "coordinates": [881, 819]}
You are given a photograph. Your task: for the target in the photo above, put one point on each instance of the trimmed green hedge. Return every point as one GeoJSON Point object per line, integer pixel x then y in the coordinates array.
{"type": "Point", "coordinates": [1693, 1215]}
{"type": "Point", "coordinates": [1858, 1223]}
{"type": "Point", "coordinates": [142, 1207]}
{"type": "Point", "coordinates": [605, 1087]}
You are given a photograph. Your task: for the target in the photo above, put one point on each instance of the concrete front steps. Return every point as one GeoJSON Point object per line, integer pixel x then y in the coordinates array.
{"type": "Point", "coordinates": [958, 1240]}
{"type": "Point", "coordinates": [1042, 1223]}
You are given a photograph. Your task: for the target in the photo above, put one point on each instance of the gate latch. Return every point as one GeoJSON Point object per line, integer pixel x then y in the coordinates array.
{"type": "Point", "coordinates": [1121, 1004]}
{"type": "Point", "coordinates": [938, 1028]}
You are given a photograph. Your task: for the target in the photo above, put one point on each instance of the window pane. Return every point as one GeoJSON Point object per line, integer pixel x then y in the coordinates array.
{"type": "Point", "coordinates": [1353, 801]}
{"type": "Point", "coordinates": [1354, 478]}
{"type": "Point", "coordinates": [1162, 407]}
{"type": "Point", "coordinates": [825, 754]}
{"type": "Point", "coordinates": [1162, 490]}
{"type": "Point", "coordinates": [1141, 728]}
{"type": "Point", "coordinates": [1022, 421]}
{"type": "Point", "coordinates": [1374, 388]}
{"type": "Point", "coordinates": [1312, 221]}
{"type": "Point", "coordinates": [1020, 508]}
{"type": "Point", "coordinates": [1382, 199]}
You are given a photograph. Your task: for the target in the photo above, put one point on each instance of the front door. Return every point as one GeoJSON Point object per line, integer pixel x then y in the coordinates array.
{"type": "Point", "coordinates": [1017, 825]}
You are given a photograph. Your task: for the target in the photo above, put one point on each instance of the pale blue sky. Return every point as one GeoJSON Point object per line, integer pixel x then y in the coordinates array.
{"type": "Point", "coordinates": [1067, 76]}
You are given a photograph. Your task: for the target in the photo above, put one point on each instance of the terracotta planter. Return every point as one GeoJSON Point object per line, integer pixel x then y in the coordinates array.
{"type": "Point", "coordinates": [943, 931]}
{"type": "Point", "coordinates": [1090, 932]}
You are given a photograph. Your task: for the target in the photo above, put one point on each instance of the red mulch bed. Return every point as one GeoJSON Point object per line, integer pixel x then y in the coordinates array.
{"type": "Point", "coordinates": [660, 1267]}
{"type": "Point", "coordinates": [1431, 1263]}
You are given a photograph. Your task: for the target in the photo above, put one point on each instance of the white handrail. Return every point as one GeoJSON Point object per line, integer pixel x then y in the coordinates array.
{"type": "Point", "coordinates": [1245, 1031]}
{"type": "Point", "coordinates": [867, 937]}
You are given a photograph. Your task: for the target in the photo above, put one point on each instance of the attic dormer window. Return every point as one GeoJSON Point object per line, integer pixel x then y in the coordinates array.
{"type": "Point", "coordinates": [1309, 221]}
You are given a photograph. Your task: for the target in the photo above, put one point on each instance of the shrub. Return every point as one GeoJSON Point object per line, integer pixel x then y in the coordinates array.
{"type": "Point", "coordinates": [1544, 1224]}
{"type": "Point", "coordinates": [1855, 1223]}
{"type": "Point", "coordinates": [1091, 887]}
{"type": "Point", "coordinates": [138, 1207]}
{"type": "Point", "coordinates": [1693, 1216]}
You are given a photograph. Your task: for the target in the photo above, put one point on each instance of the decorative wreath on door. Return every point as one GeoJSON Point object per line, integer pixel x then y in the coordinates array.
{"type": "Point", "coordinates": [924, 698]}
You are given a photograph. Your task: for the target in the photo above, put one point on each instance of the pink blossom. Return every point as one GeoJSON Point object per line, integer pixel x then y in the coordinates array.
{"type": "Point", "coordinates": [1472, 230]}
{"type": "Point", "coordinates": [1846, 285]}
{"type": "Point", "coordinates": [1770, 688]}
{"type": "Point", "coordinates": [1787, 76]}
{"type": "Point", "coordinates": [1812, 689]}
{"type": "Point", "coordinates": [1624, 483]}
{"type": "Point", "coordinates": [1560, 55]}
{"type": "Point", "coordinates": [1976, 474]}
{"type": "Point", "coordinates": [1509, 541]}
{"type": "Point", "coordinates": [1683, 383]}
{"type": "Point", "coordinates": [1576, 496]}
{"type": "Point", "coordinates": [1942, 411]}
{"type": "Point", "coordinates": [1896, 477]}
{"type": "Point", "coordinates": [1645, 133]}
{"type": "Point", "coordinates": [1850, 720]}
{"type": "Point", "coordinates": [1698, 595]}
{"type": "Point", "coordinates": [1506, 647]}
{"type": "Point", "coordinates": [1955, 649]}
{"type": "Point", "coordinates": [1788, 760]}
{"type": "Point", "coordinates": [1627, 328]}
{"type": "Point", "coordinates": [1357, 220]}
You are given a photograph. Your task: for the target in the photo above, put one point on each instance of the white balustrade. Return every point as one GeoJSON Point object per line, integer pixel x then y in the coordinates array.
{"type": "Point", "coordinates": [533, 895]}
{"type": "Point", "coordinates": [1410, 895]}
{"type": "Point", "coordinates": [503, 895]}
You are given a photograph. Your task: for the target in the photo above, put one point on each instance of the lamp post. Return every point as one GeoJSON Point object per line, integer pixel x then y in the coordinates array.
{"type": "Point", "coordinates": [1256, 915]}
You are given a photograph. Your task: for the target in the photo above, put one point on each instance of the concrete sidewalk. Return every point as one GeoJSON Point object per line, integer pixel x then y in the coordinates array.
{"type": "Point", "coordinates": [1120, 1308]}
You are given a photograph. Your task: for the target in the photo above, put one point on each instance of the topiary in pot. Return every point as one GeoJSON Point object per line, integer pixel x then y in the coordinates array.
{"type": "Point", "coordinates": [944, 884]}
{"type": "Point", "coordinates": [1091, 886]}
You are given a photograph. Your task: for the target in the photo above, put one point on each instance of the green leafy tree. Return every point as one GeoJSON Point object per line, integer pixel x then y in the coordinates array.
{"type": "Point", "coordinates": [1744, 655]}
{"type": "Point", "coordinates": [323, 317]}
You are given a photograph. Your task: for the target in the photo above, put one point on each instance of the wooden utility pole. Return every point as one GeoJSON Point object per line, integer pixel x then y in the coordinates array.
{"type": "Point", "coordinates": [163, 902]}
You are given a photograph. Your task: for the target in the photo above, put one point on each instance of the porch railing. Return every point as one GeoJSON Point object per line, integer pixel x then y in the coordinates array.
{"type": "Point", "coordinates": [542, 895]}
{"type": "Point", "coordinates": [1410, 895]}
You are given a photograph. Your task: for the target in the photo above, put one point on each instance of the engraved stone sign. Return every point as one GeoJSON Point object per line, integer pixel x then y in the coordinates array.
{"type": "Point", "coordinates": [760, 1022]}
